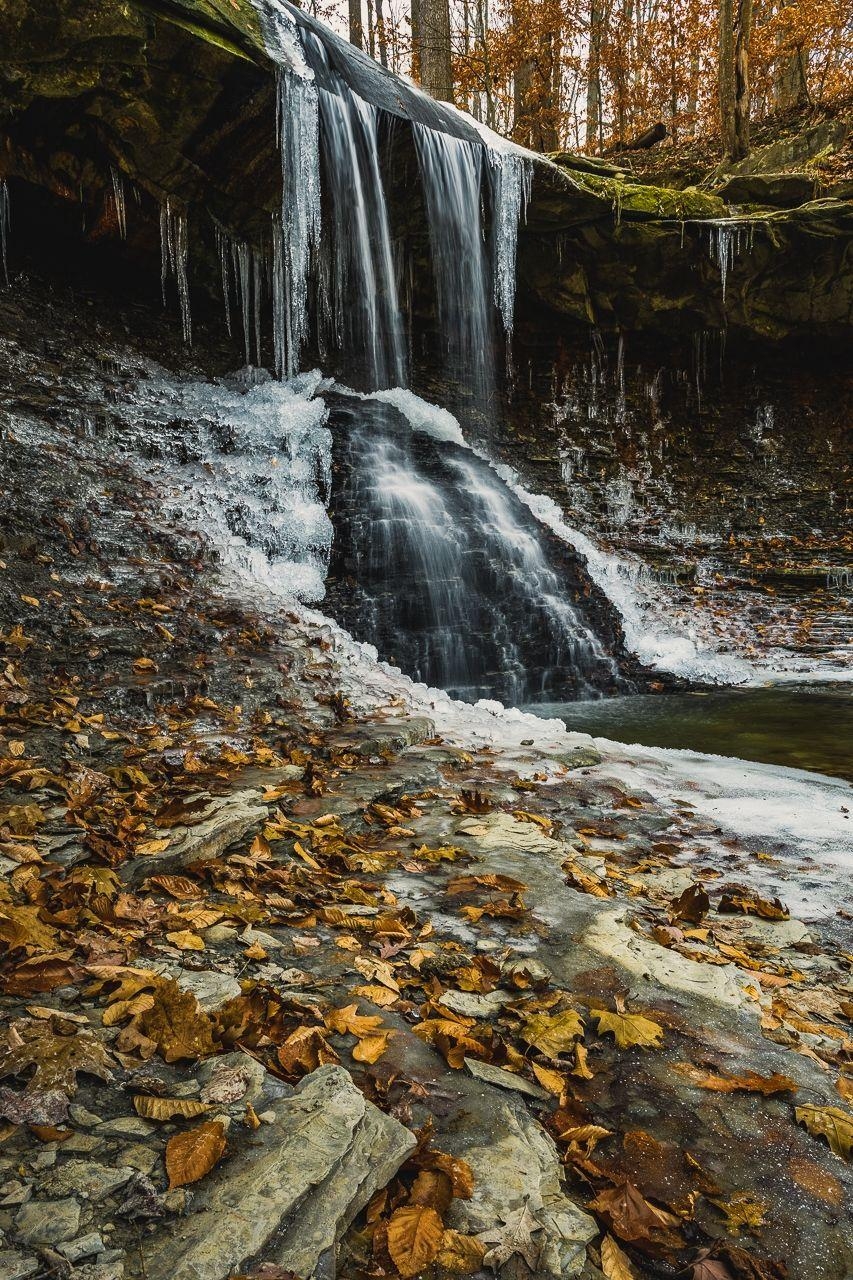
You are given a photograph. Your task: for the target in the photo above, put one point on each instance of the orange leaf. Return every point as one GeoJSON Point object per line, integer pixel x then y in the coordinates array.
{"type": "Point", "coordinates": [415, 1235]}
{"type": "Point", "coordinates": [189, 1156]}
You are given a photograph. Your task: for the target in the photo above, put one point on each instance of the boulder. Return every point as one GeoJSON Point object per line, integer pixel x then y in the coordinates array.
{"type": "Point", "coordinates": [287, 1195]}
{"type": "Point", "coordinates": [780, 190]}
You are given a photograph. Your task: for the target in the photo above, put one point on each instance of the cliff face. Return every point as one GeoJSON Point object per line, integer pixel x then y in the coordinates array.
{"type": "Point", "coordinates": [178, 97]}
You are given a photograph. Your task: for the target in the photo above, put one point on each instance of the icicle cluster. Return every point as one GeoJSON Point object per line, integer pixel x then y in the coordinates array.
{"type": "Point", "coordinates": [174, 247]}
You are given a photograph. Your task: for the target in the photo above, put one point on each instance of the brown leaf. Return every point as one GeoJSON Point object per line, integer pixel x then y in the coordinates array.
{"type": "Point", "coordinates": [177, 886]}
{"type": "Point", "coordinates": [415, 1236]}
{"type": "Point", "coordinates": [749, 1082]}
{"type": "Point", "coordinates": [190, 1155]}
{"type": "Point", "coordinates": [433, 1188]}
{"type": "Point", "coordinates": [738, 900]}
{"type": "Point", "coordinates": [167, 1108]}
{"type": "Point", "coordinates": [831, 1123]}
{"type": "Point", "coordinates": [631, 1217]}
{"type": "Point", "coordinates": [176, 1024]}
{"type": "Point", "coordinates": [693, 905]}
{"type": "Point", "coordinates": [57, 1059]}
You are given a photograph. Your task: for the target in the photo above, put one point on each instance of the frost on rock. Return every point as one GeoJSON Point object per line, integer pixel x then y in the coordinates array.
{"type": "Point", "coordinates": [250, 463]}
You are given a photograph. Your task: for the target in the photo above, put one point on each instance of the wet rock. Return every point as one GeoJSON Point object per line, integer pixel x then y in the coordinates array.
{"type": "Point", "coordinates": [471, 1005]}
{"type": "Point", "coordinates": [609, 935]}
{"type": "Point", "coordinates": [499, 831]}
{"type": "Point", "coordinates": [227, 820]}
{"type": "Point", "coordinates": [211, 988]}
{"type": "Point", "coordinates": [289, 1194]}
{"type": "Point", "coordinates": [137, 1157]}
{"type": "Point", "coordinates": [126, 1127]}
{"type": "Point", "coordinates": [83, 1247]}
{"type": "Point", "coordinates": [47, 1221]}
{"type": "Point", "coordinates": [521, 1166]}
{"type": "Point", "coordinates": [505, 1079]}
{"type": "Point", "coordinates": [86, 1178]}
{"type": "Point", "coordinates": [17, 1266]}
{"type": "Point", "coordinates": [233, 1077]}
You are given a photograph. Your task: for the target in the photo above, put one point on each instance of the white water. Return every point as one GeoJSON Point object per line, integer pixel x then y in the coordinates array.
{"type": "Point", "coordinates": [363, 306]}
{"type": "Point", "coordinates": [646, 632]}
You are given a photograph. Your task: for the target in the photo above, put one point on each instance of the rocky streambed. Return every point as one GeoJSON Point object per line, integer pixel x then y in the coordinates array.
{"type": "Point", "coordinates": [309, 969]}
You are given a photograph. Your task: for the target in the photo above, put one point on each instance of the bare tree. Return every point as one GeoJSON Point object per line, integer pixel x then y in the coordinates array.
{"type": "Point", "coordinates": [735, 31]}
{"type": "Point", "coordinates": [431, 58]}
{"type": "Point", "coordinates": [356, 29]}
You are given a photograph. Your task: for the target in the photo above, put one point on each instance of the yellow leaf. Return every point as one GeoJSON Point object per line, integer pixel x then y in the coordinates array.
{"type": "Point", "coordinates": [377, 995]}
{"type": "Point", "coordinates": [550, 1080]}
{"type": "Point", "coordinates": [186, 940]}
{"type": "Point", "coordinates": [615, 1262]}
{"type": "Point", "coordinates": [168, 1108]}
{"type": "Point", "coordinates": [831, 1123]}
{"type": "Point", "coordinates": [189, 1156]}
{"type": "Point", "coordinates": [461, 1254]}
{"type": "Point", "coordinates": [349, 1021]}
{"type": "Point", "coordinates": [580, 1068]}
{"type": "Point", "coordinates": [16, 749]}
{"type": "Point", "coordinates": [553, 1034]}
{"type": "Point", "coordinates": [149, 847]}
{"type": "Point", "coordinates": [31, 600]}
{"type": "Point", "coordinates": [371, 1048]}
{"type": "Point", "coordinates": [415, 1236]}
{"type": "Point", "coordinates": [631, 1030]}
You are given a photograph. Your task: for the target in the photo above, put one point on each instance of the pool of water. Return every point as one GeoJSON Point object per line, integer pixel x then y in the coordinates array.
{"type": "Point", "coordinates": [802, 726]}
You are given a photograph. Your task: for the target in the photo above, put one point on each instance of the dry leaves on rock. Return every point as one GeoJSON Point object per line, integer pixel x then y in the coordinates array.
{"type": "Point", "coordinates": [631, 1217]}
{"type": "Point", "coordinates": [191, 1155]}
{"type": "Point", "coordinates": [514, 1236]}
{"type": "Point", "coordinates": [460, 1254]}
{"type": "Point", "coordinates": [831, 1123]}
{"type": "Point", "coordinates": [738, 900]}
{"type": "Point", "coordinates": [415, 1235]}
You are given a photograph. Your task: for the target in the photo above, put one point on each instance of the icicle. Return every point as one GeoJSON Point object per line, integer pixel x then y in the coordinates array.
{"type": "Point", "coordinates": [118, 197]}
{"type": "Point", "coordinates": [241, 255]}
{"type": "Point", "coordinates": [5, 228]}
{"type": "Point", "coordinates": [174, 252]}
{"type": "Point", "coordinates": [256, 291]}
{"type": "Point", "coordinates": [511, 177]}
{"type": "Point", "coordinates": [222, 247]}
{"type": "Point", "coordinates": [298, 128]}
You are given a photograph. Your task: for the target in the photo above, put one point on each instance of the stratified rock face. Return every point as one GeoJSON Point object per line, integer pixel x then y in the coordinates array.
{"type": "Point", "coordinates": [293, 1192]}
{"type": "Point", "coordinates": [178, 98]}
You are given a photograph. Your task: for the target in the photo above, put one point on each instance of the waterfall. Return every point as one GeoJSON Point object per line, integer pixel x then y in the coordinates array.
{"type": "Point", "coordinates": [452, 176]}
{"type": "Point", "coordinates": [447, 571]}
{"type": "Point", "coordinates": [361, 302]}
{"type": "Point", "coordinates": [5, 228]}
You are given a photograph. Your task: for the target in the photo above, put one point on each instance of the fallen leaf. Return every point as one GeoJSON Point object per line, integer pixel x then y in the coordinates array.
{"type": "Point", "coordinates": [630, 1030]}
{"type": "Point", "coordinates": [742, 1212]}
{"type": "Point", "coordinates": [632, 1217]}
{"type": "Point", "coordinates": [615, 1263]}
{"type": "Point", "coordinates": [553, 1034]}
{"type": "Point", "coordinates": [463, 1255]}
{"type": "Point", "coordinates": [191, 1155]}
{"type": "Point", "coordinates": [415, 1236]}
{"type": "Point", "coordinates": [515, 1236]}
{"type": "Point", "coordinates": [831, 1123]}
{"type": "Point", "coordinates": [749, 1082]}
{"type": "Point", "coordinates": [186, 940]}
{"type": "Point", "coordinates": [57, 1059]}
{"type": "Point", "coordinates": [167, 1108]}
{"type": "Point", "coordinates": [693, 905]}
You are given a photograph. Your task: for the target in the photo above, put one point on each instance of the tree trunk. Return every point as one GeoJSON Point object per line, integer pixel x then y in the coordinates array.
{"type": "Point", "coordinates": [593, 75]}
{"type": "Point", "coordinates": [735, 31]}
{"type": "Point", "coordinates": [356, 30]}
{"type": "Point", "coordinates": [431, 34]}
{"type": "Point", "coordinates": [380, 31]}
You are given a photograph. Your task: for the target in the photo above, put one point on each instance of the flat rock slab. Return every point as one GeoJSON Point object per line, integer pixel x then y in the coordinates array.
{"type": "Point", "coordinates": [227, 819]}
{"type": "Point", "coordinates": [290, 1191]}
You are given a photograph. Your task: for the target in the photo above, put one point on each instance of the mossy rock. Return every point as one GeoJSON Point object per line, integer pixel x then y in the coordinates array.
{"type": "Point", "coordinates": [634, 200]}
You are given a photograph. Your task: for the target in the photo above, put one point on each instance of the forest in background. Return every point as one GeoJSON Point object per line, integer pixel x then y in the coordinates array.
{"type": "Point", "coordinates": [597, 74]}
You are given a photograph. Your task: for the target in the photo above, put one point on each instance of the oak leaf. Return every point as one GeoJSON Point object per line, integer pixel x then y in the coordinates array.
{"type": "Point", "coordinates": [57, 1059]}
{"type": "Point", "coordinates": [191, 1155]}
{"type": "Point", "coordinates": [415, 1235]}
{"type": "Point", "coordinates": [630, 1030]}
{"type": "Point", "coordinates": [831, 1123]}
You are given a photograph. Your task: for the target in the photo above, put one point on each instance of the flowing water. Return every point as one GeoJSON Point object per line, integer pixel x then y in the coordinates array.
{"type": "Point", "coordinates": [801, 726]}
